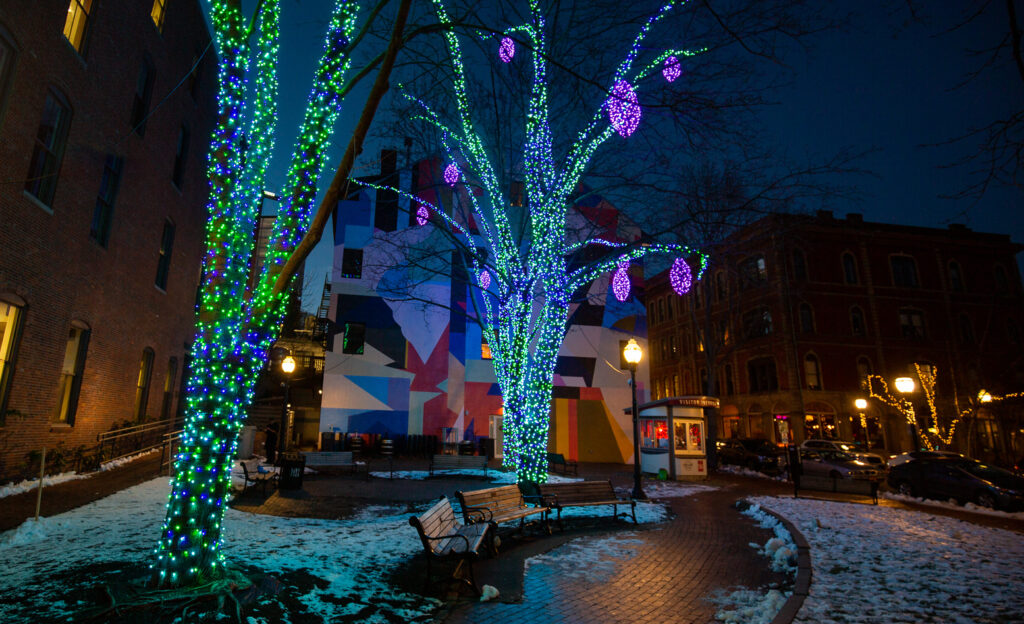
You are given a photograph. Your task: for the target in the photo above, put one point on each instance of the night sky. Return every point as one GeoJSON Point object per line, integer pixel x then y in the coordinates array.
{"type": "Point", "coordinates": [884, 83]}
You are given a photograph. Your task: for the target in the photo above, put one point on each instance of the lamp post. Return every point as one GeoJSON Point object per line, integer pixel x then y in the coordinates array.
{"type": "Point", "coordinates": [632, 353]}
{"type": "Point", "coordinates": [905, 385]}
{"type": "Point", "coordinates": [862, 404]}
{"type": "Point", "coordinates": [287, 367]}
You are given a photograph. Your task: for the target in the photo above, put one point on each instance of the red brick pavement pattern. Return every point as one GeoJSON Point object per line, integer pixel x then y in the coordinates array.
{"type": "Point", "coordinates": [703, 550]}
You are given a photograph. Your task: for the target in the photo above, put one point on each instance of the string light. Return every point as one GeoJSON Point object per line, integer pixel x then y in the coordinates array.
{"type": "Point", "coordinates": [451, 174]}
{"type": "Point", "coordinates": [620, 282]}
{"type": "Point", "coordinates": [680, 277]}
{"type": "Point", "coordinates": [422, 215]}
{"type": "Point", "coordinates": [672, 69]}
{"type": "Point", "coordinates": [485, 280]}
{"type": "Point", "coordinates": [623, 109]}
{"type": "Point", "coordinates": [507, 49]}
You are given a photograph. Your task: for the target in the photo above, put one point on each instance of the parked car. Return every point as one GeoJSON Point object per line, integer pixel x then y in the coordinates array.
{"type": "Point", "coordinates": [754, 453]}
{"type": "Point", "coordinates": [949, 476]}
{"type": "Point", "coordinates": [836, 465]}
{"type": "Point", "coordinates": [896, 460]}
{"type": "Point", "coordinates": [873, 459]}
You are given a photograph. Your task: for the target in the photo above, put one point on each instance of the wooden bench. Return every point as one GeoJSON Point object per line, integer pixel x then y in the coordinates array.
{"type": "Point", "coordinates": [331, 462]}
{"type": "Point", "coordinates": [581, 494]}
{"type": "Point", "coordinates": [499, 505]}
{"type": "Point", "coordinates": [558, 463]}
{"type": "Point", "coordinates": [257, 477]}
{"type": "Point", "coordinates": [867, 487]}
{"type": "Point", "coordinates": [454, 462]}
{"type": "Point", "coordinates": [444, 538]}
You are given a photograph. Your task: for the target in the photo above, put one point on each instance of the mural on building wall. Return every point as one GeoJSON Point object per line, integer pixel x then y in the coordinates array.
{"type": "Point", "coordinates": [422, 367]}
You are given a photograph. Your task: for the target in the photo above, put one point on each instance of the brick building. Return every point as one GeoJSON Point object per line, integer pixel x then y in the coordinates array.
{"type": "Point", "coordinates": [104, 112]}
{"type": "Point", "coordinates": [795, 312]}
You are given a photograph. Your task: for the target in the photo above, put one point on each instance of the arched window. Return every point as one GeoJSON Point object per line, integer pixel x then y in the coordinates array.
{"type": "Point", "coordinates": [799, 265]}
{"type": "Point", "coordinates": [956, 278]}
{"type": "Point", "coordinates": [71, 373]}
{"type": "Point", "coordinates": [806, 319]}
{"type": "Point", "coordinates": [812, 372]}
{"type": "Point", "coordinates": [857, 326]}
{"type": "Point", "coordinates": [142, 385]}
{"type": "Point", "coordinates": [849, 269]}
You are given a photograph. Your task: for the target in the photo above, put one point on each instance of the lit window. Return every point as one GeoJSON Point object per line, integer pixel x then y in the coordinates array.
{"type": "Point", "coordinates": [158, 13]}
{"type": "Point", "coordinates": [103, 214]}
{"type": "Point", "coordinates": [812, 372]}
{"type": "Point", "coordinates": [180, 158]}
{"type": "Point", "coordinates": [76, 25]}
{"type": "Point", "coordinates": [48, 150]}
{"type": "Point", "coordinates": [485, 350]}
{"type": "Point", "coordinates": [142, 385]}
{"type": "Point", "coordinates": [143, 94]}
{"type": "Point", "coordinates": [163, 266]}
{"type": "Point", "coordinates": [11, 318]}
{"type": "Point", "coordinates": [71, 374]}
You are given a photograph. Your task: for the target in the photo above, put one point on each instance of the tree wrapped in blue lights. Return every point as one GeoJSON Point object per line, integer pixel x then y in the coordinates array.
{"type": "Point", "coordinates": [531, 277]}
{"type": "Point", "coordinates": [236, 327]}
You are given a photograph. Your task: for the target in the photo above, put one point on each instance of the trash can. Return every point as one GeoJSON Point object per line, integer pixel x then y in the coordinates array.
{"type": "Point", "coordinates": [292, 467]}
{"type": "Point", "coordinates": [466, 447]}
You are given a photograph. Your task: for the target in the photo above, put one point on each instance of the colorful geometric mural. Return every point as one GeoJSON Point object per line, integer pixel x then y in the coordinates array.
{"type": "Point", "coordinates": [423, 368]}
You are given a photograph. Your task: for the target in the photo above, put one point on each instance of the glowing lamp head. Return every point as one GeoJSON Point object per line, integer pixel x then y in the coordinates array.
{"type": "Point", "coordinates": [861, 404]}
{"type": "Point", "coordinates": [984, 396]}
{"type": "Point", "coordinates": [632, 352]}
{"type": "Point", "coordinates": [288, 365]}
{"type": "Point", "coordinates": [507, 49]}
{"type": "Point", "coordinates": [905, 384]}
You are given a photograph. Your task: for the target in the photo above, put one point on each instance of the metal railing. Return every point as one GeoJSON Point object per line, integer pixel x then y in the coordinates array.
{"type": "Point", "coordinates": [168, 445]}
{"type": "Point", "coordinates": [134, 439]}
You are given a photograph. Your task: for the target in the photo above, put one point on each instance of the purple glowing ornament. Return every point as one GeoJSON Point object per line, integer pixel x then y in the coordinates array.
{"type": "Point", "coordinates": [422, 215]}
{"type": "Point", "coordinates": [672, 69]}
{"type": "Point", "coordinates": [623, 108]}
{"type": "Point", "coordinates": [451, 174]}
{"type": "Point", "coordinates": [507, 49]}
{"type": "Point", "coordinates": [485, 280]}
{"type": "Point", "coordinates": [620, 282]}
{"type": "Point", "coordinates": [680, 277]}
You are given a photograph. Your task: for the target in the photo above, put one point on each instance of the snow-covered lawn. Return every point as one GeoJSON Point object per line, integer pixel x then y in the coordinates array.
{"type": "Point", "coordinates": [880, 564]}
{"type": "Point", "coordinates": [332, 570]}
{"type": "Point", "coordinates": [10, 489]}
{"type": "Point", "coordinates": [952, 504]}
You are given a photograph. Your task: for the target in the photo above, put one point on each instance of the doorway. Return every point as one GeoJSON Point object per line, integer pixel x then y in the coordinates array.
{"type": "Point", "coordinates": [495, 434]}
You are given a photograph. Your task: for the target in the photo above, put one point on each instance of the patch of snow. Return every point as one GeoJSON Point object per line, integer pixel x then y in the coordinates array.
{"type": "Point", "coordinates": [496, 476]}
{"type": "Point", "coordinates": [488, 592]}
{"type": "Point", "coordinates": [883, 564]}
{"type": "Point", "coordinates": [748, 606]}
{"type": "Point", "coordinates": [28, 485]}
{"type": "Point", "coordinates": [674, 489]}
{"type": "Point", "coordinates": [743, 471]}
{"type": "Point", "coordinates": [952, 504]}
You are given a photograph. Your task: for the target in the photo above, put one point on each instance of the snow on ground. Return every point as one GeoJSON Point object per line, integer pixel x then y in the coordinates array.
{"type": "Point", "coordinates": [674, 489]}
{"type": "Point", "coordinates": [496, 476]}
{"type": "Point", "coordinates": [952, 504]}
{"type": "Point", "coordinates": [881, 564]}
{"type": "Point", "coordinates": [757, 606]}
{"type": "Point", "coordinates": [27, 485]}
{"type": "Point", "coordinates": [333, 570]}
{"type": "Point", "coordinates": [743, 471]}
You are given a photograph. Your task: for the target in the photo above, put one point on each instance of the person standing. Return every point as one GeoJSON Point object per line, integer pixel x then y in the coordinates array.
{"type": "Point", "coordinates": [270, 445]}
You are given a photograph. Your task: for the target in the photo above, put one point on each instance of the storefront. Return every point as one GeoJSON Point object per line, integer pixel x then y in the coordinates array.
{"type": "Point", "coordinates": [673, 437]}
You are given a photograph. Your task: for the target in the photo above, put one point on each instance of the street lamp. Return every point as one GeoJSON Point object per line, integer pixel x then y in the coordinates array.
{"type": "Point", "coordinates": [287, 367]}
{"type": "Point", "coordinates": [862, 404]}
{"type": "Point", "coordinates": [632, 353]}
{"type": "Point", "coordinates": [905, 385]}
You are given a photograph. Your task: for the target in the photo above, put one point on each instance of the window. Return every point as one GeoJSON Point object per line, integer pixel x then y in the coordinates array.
{"type": "Point", "coordinates": [912, 324]}
{"type": "Point", "coordinates": [8, 52]}
{"type": "Point", "coordinates": [956, 279]}
{"type": "Point", "coordinates": [180, 158]}
{"type": "Point", "coordinates": [661, 310]}
{"type": "Point", "coordinates": [485, 350]}
{"type": "Point", "coordinates": [668, 308]}
{"type": "Point", "coordinates": [757, 322]}
{"type": "Point", "coordinates": [48, 150]}
{"type": "Point", "coordinates": [850, 269]}
{"type": "Point", "coordinates": [857, 325]}
{"type": "Point", "coordinates": [172, 373]}
{"type": "Point", "coordinates": [194, 75]}
{"type": "Point", "coordinates": [142, 385]}
{"type": "Point", "coordinates": [1002, 283]}
{"type": "Point", "coordinates": [753, 272]}
{"type": "Point", "coordinates": [722, 332]}
{"type": "Point", "coordinates": [163, 265]}
{"type": "Point", "coordinates": [352, 263]}
{"type": "Point", "coordinates": [76, 25]}
{"type": "Point", "coordinates": [71, 373]}
{"type": "Point", "coordinates": [799, 265]}
{"type": "Point", "coordinates": [103, 214]}
{"type": "Point", "coordinates": [806, 319]}
{"type": "Point", "coordinates": [762, 375]}
{"type": "Point", "coordinates": [812, 372]}
{"type": "Point", "coordinates": [143, 93]}
{"type": "Point", "coordinates": [354, 339]}
{"type": "Point", "coordinates": [11, 320]}
{"type": "Point", "coordinates": [158, 13]}
{"type": "Point", "coordinates": [966, 330]}
{"type": "Point", "coordinates": [704, 389]}
{"type": "Point", "coordinates": [904, 271]}
{"type": "Point", "coordinates": [698, 295]}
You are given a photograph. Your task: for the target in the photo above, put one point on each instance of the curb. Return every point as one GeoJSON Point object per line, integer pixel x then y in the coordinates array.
{"type": "Point", "coordinates": [802, 586]}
